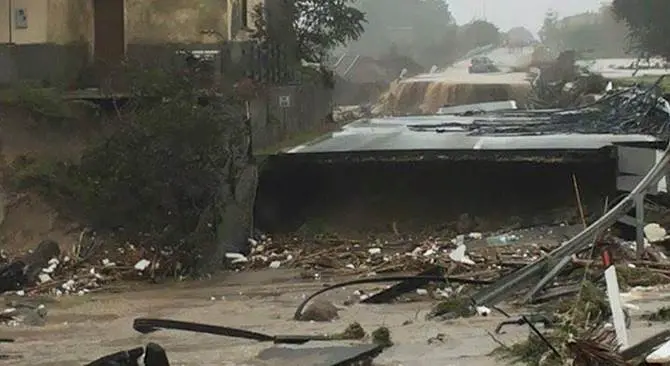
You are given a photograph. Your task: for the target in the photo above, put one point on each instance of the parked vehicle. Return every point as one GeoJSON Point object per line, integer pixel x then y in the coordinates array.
{"type": "Point", "coordinates": [481, 65]}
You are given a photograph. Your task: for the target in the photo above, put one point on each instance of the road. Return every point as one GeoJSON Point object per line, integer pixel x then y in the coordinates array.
{"type": "Point", "coordinates": [502, 57]}
{"type": "Point", "coordinates": [506, 60]}
{"type": "Point", "coordinates": [80, 329]}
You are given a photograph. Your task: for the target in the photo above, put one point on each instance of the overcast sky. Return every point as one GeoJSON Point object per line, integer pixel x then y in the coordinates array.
{"type": "Point", "coordinates": [510, 13]}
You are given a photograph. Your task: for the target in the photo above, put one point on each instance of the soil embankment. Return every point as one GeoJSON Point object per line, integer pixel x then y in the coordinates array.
{"type": "Point", "coordinates": [26, 218]}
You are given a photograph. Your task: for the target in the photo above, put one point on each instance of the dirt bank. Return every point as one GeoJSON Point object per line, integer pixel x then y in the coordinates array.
{"type": "Point", "coordinates": [26, 218]}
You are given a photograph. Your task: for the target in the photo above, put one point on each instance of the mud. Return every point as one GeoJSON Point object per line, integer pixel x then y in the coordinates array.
{"type": "Point", "coordinates": [427, 97]}
{"type": "Point", "coordinates": [80, 329]}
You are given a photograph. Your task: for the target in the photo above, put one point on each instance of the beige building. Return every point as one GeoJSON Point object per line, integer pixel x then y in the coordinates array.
{"type": "Point", "coordinates": [65, 31]}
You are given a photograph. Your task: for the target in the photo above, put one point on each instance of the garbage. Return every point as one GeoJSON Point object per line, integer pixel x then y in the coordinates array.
{"type": "Point", "coordinates": [142, 265]}
{"type": "Point", "coordinates": [502, 239]}
{"type": "Point", "coordinates": [458, 255]}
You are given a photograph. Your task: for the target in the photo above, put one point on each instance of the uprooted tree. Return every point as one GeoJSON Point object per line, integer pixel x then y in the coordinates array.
{"type": "Point", "coordinates": [647, 23]}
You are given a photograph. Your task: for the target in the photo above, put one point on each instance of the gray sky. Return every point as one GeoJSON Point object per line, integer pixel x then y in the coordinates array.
{"type": "Point", "coordinates": [510, 13]}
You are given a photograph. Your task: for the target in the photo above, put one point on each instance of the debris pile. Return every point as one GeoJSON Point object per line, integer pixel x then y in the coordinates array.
{"type": "Point", "coordinates": [633, 110]}
{"type": "Point", "coordinates": [342, 256]}
{"type": "Point", "coordinates": [45, 270]}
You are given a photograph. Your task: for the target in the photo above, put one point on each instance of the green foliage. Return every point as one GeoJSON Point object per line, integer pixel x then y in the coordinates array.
{"type": "Point", "coordinates": [50, 178]}
{"type": "Point", "coordinates": [648, 25]}
{"type": "Point", "coordinates": [424, 30]}
{"type": "Point", "coordinates": [159, 172]}
{"type": "Point", "coordinates": [165, 164]}
{"type": "Point", "coordinates": [597, 33]}
{"type": "Point", "coordinates": [318, 26]}
{"type": "Point", "coordinates": [479, 33]}
{"type": "Point", "coordinates": [661, 315]}
{"type": "Point", "coordinates": [321, 25]}
{"type": "Point", "coordinates": [573, 317]}
{"type": "Point", "coordinates": [42, 103]}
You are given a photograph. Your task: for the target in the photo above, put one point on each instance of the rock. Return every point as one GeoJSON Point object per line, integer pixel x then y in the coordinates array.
{"type": "Point", "coordinates": [320, 311]}
{"type": "Point", "coordinates": [33, 317]}
{"type": "Point", "coordinates": [655, 233]}
{"type": "Point", "coordinates": [36, 261]}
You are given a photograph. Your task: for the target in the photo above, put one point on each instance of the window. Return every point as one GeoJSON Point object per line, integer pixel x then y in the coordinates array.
{"type": "Point", "coordinates": [245, 13]}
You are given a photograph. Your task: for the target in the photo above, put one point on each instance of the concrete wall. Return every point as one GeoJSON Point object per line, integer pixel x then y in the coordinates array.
{"type": "Point", "coordinates": [36, 30]}
{"type": "Point", "coordinates": [309, 110]}
{"type": "Point", "coordinates": [175, 21]}
{"type": "Point", "coordinates": [53, 47]}
{"type": "Point", "coordinates": [70, 21]}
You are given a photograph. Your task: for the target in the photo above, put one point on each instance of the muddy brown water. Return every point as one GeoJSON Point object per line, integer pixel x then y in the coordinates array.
{"type": "Point", "coordinates": [81, 329]}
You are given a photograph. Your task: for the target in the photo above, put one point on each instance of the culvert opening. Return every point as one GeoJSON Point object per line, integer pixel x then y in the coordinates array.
{"type": "Point", "coordinates": [371, 194]}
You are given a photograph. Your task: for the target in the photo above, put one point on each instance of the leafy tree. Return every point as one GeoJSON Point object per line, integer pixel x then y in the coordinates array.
{"type": "Point", "coordinates": [597, 32]}
{"type": "Point", "coordinates": [549, 33]}
{"type": "Point", "coordinates": [479, 33]}
{"type": "Point", "coordinates": [417, 28]}
{"type": "Point", "coordinates": [321, 25]}
{"type": "Point", "coordinates": [519, 36]}
{"type": "Point", "coordinates": [648, 24]}
{"type": "Point", "coordinates": [318, 26]}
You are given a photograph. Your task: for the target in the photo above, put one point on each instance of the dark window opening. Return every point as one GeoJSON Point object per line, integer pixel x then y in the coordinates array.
{"type": "Point", "coordinates": [245, 13]}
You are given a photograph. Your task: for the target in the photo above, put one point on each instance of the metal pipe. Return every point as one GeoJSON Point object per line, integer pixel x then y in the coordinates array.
{"type": "Point", "coordinates": [586, 236]}
{"type": "Point", "coordinates": [504, 287]}
{"type": "Point", "coordinates": [10, 4]}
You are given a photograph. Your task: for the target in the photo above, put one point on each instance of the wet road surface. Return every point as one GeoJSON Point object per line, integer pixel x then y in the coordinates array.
{"type": "Point", "coordinates": [81, 329]}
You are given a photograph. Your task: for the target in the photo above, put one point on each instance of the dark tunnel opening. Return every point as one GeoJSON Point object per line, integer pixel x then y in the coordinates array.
{"type": "Point", "coordinates": [422, 195]}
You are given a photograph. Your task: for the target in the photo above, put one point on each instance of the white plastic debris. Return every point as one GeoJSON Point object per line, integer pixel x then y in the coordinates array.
{"type": "Point", "coordinates": [44, 278]}
{"type": "Point", "coordinates": [417, 251]}
{"type": "Point", "coordinates": [54, 262]}
{"type": "Point", "coordinates": [275, 264]}
{"type": "Point", "coordinates": [142, 264]}
{"type": "Point", "coordinates": [236, 258]}
{"type": "Point", "coordinates": [475, 236]}
{"type": "Point", "coordinates": [107, 263]}
{"type": "Point", "coordinates": [253, 242]}
{"type": "Point", "coordinates": [483, 310]}
{"type": "Point", "coordinates": [350, 266]}
{"type": "Point", "coordinates": [458, 255]}
{"type": "Point", "coordinates": [655, 232]}
{"type": "Point", "coordinates": [69, 285]}
{"type": "Point", "coordinates": [21, 293]}
{"type": "Point", "coordinates": [374, 251]}
{"type": "Point", "coordinates": [421, 291]}
{"type": "Point", "coordinates": [49, 269]}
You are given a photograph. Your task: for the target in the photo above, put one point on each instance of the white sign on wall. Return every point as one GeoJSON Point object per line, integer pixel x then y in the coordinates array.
{"type": "Point", "coordinates": [285, 101]}
{"type": "Point", "coordinates": [20, 18]}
